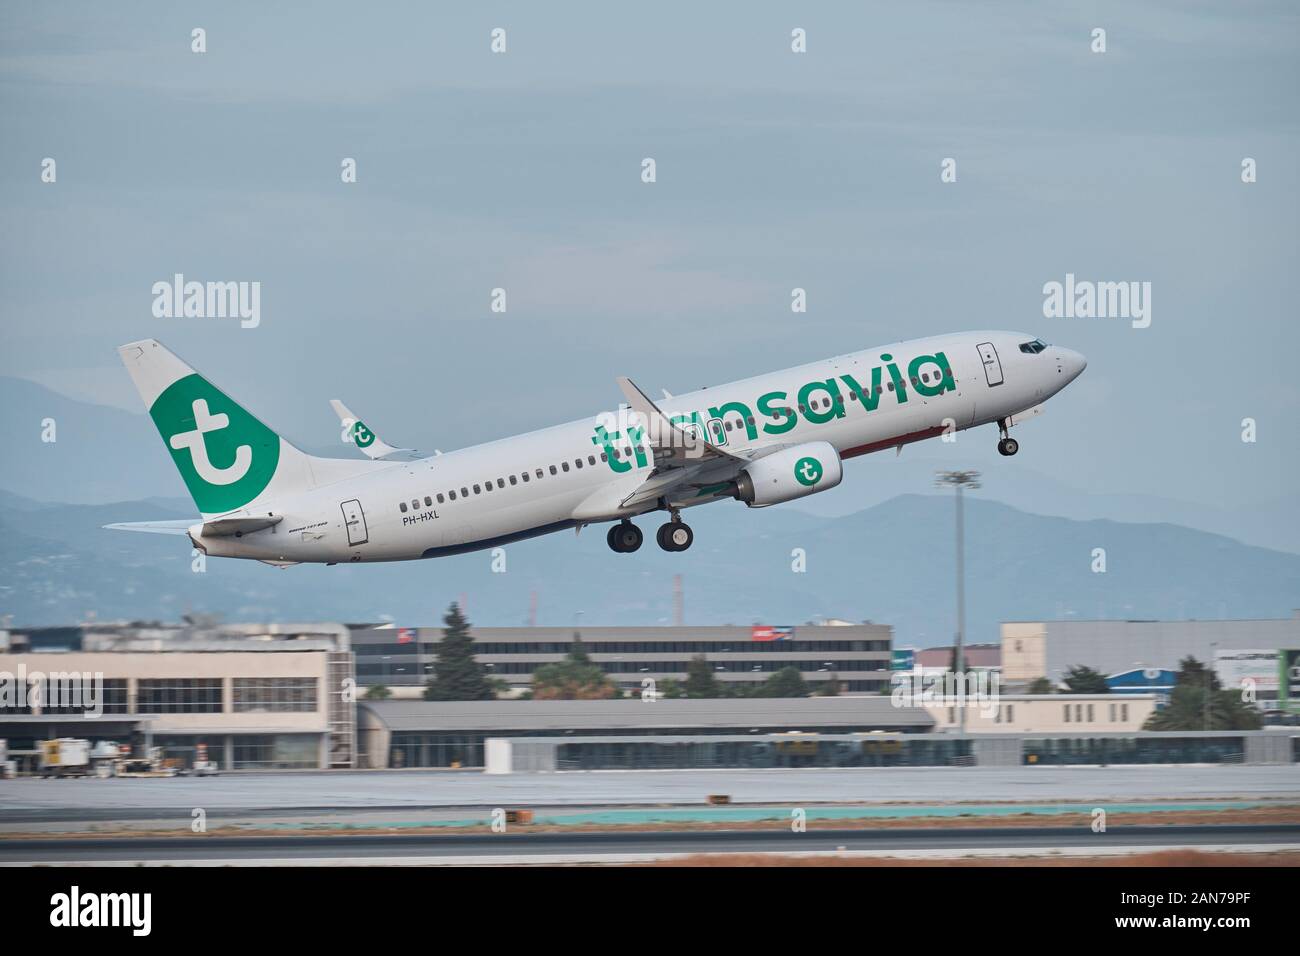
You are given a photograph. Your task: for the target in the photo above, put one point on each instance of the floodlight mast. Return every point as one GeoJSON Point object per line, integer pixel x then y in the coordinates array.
{"type": "Point", "coordinates": [959, 480]}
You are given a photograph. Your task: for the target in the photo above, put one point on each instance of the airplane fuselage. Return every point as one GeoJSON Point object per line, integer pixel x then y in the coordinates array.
{"type": "Point", "coordinates": [584, 471]}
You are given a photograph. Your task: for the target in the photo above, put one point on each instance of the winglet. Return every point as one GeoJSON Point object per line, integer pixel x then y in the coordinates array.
{"type": "Point", "coordinates": [371, 445]}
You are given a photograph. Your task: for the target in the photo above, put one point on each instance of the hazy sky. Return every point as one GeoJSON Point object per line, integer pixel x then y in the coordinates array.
{"type": "Point", "coordinates": [775, 170]}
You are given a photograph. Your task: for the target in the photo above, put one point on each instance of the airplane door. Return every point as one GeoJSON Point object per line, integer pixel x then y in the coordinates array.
{"type": "Point", "coordinates": [355, 519]}
{"type": "Point", "coordinates": [992, 366]}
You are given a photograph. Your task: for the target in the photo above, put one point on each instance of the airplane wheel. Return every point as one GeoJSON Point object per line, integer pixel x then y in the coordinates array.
{"type": "Point", "coordinates": [1008, 446]}
{"type": "Point", "coordinates": [675, 536]}
{"type": "Point", "coordinates": [611, 537]}
{"type": "Point", "coordinates": [625, 537]}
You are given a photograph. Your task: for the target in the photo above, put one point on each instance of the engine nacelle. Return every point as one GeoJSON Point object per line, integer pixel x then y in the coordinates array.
{"type": "Point", "coordinates": [793, 473]}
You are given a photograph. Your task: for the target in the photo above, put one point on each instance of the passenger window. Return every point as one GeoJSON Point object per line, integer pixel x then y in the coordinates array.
{"type": "Point", "coordinates": [478, 490]}
{"type": "Point", "coordinates": [514, 480]}
{"type": "Point", "coordinates": [501, 483]}
{"type": "Point", "coordinates": [553, 469]}
{"type": "Point", "coordinates": [891, 386]}
{"type": "Point", "coordinates": [452, 494]}
{"type": "Point", "coordinates": [524, 476]}
{"type": "Point", "coordinates": [441, 499]}
{"type": "Point", "coordinates": [564, 465]}
{"type": "Point", "coordinates": [578, 462]}
{"type": "Point", "coordinates": [915, 382]}
{"type": "Point", "coordinates": [402, 506]}
{"type": "Point", "coordinates": [539, 472]}
{"type": "Point", "coordinates": [464, 492]}
{"type": "Point", "coordinates": [415, 503]}
{"type": "Point", "coordinates": [591, 459]}
{"type": "Point", "coordinates": [727, 425]}
{"type": "Point", "coordinates": [604, 457]}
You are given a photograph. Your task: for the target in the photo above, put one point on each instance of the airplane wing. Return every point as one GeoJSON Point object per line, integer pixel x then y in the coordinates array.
{"type": "Point", "coordinates": [683, 458]}
{"type": "Point", "coordinates": [371, 445]}
{"type": "Point", "coordinates": [672, 444]}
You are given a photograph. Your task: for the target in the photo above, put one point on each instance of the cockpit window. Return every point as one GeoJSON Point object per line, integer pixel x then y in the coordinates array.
{"type": "Point", "coordinates": [1034, 347]}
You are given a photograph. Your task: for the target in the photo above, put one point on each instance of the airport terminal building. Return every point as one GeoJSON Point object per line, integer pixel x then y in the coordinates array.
{"type": "Point", "coordinates": [858, 655]}
{"type": "Point", "coordinates": [1266, 650]}
{"type": "Point", "coordinates": [254, 697]}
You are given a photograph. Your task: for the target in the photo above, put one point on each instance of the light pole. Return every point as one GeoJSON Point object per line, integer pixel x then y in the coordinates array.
{"type": "Point", "coordinates": [958, 480]}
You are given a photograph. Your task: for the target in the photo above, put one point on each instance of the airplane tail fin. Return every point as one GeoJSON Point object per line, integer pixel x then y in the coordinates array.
{"type": "Point", "coordinates": [228, 458]}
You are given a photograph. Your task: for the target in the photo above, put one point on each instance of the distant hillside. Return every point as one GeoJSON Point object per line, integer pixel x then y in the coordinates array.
{"type": "Point", "coordinates": [892, 563]}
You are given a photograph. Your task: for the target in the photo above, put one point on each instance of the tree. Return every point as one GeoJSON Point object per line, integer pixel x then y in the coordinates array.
{"type": "Point", "coordinates": [1040, 685]}
{"type": "Point", "coordinates": [787, 682]}
{"type": "Point", "coordinates": [378, 692]}
{"type": "Point", "coordinates": [1199, 702]}
{"type": "Point", "coordinates": [456, 673]}
{"type": "Point", "coordinates": [1193, 673]}
{"type": "Point", "coordinates": [829, 688]}
{"type": "Point", "coordinates": [700, 681]}
{"type": "Point", "coordinates": [576, 677]}
{"type": "Point", "coordinates": [1080, 679]}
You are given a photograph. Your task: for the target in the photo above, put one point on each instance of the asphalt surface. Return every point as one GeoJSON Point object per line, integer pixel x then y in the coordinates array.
{"type": "Point", "coordinates": [31, 799]}
{"type": "Point", "coordinates": [521, 846]}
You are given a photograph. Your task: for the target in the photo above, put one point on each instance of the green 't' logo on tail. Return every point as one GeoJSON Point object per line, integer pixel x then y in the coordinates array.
{"type": "Point", "coordinates": [225, 455]}
{"type": "Point", "coordinates": [808, 471]}
{"type": "Point", "coordinates": [362, 435]}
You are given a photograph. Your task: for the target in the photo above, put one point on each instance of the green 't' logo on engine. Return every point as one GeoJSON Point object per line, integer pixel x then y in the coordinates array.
{"type": "Point", "coordinates": [225, 455]}
{"type": "Point", "coordinates": [808, 471]}
{"type": "Point", "coordinates": [362, 435]}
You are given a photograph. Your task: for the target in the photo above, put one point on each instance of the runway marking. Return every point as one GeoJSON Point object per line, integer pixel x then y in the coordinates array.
{"type": "Point", "coordinates": [566, 859]}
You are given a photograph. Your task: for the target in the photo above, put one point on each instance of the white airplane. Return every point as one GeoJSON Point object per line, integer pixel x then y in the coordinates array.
{"type": "Point", "coordinates": [762, 440]}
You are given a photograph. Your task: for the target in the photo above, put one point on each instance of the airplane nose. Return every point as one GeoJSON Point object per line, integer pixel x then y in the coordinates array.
{"type": "Point", "coordinates": [1073, 363]}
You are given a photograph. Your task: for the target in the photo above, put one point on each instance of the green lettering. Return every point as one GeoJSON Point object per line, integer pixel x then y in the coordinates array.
{"type": "Point", "coordinates": [783, 417]}
{"type": "Point", "coordinates": [820, 417]}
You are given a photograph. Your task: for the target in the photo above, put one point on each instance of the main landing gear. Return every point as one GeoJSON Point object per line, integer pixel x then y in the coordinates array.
{"type": "Point", "coordinates": [676, 535]}
{"type": "Point", "coordinates": [1006, 446]}
{"type": "Point", "coordinates": [624, 537]}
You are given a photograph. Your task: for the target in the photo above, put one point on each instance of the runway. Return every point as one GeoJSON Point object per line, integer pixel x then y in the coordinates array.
{"type": "Point", "coordinates": [285, 793]}
{"type": "Point", "coordinates": [521, 847]}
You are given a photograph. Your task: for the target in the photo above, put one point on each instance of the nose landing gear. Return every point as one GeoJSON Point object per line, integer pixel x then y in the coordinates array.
{"type": "Point", "coordinates": [1006, 446]}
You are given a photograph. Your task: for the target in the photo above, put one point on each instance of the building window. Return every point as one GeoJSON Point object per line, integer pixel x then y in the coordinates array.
{"type": "Point", "coordinates": [180, 695]}
{"type": "Point", "coordinates": [274, 694]}
{"type": "Point", "coordinates": [276, 752]}
{"type": "Point", "coordinates": [1067, 713]}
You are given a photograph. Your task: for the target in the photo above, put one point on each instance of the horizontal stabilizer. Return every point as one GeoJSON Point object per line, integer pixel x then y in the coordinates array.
{"type": "Point", "coordinates": [216, 528]}
{"type": "Point", "coordinates": [156, 527]}
{"type": "Point", "coordinates": [222, 527]}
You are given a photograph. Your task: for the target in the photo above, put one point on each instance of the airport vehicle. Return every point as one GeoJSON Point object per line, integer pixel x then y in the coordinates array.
{"type": "Point", "coordinates": [763, 441]}
{"type": "Point", "coordinates": [65, 757]}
